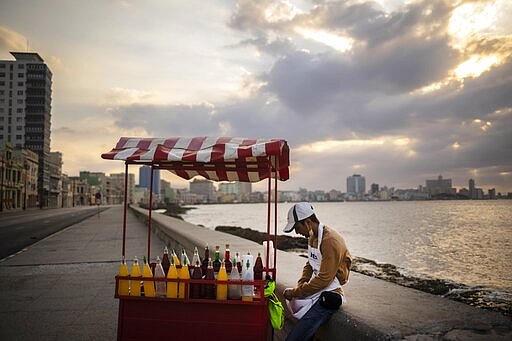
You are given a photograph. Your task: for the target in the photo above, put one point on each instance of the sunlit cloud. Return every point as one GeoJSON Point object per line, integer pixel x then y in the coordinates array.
{"type": "Point", "coordinates": [337, 145]}
{"type": "Point", "coordinates": [404, 141]}
{"type": "Point", "coordinates": [355, 145]}
{"type": "Point", "coordinates": [11, 41]}
{"type": "Point", "coordinates": [281, 11]}
{"type": "Point", "coordinates": [121, 96]}
{"type": "Point", "coordinates": [471, 20]}
{"type": "Point", "coordinates": [475, 66]}
{"type": "Point", "coordinates": [337, 42]}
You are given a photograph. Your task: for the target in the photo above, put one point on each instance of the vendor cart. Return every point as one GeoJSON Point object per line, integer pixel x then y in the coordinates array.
{"type": "Point", "coordinates": [216, 159]}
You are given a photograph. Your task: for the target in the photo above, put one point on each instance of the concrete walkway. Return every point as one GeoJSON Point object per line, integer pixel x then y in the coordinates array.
{"type": "Point", "coordinates": [62, 287]}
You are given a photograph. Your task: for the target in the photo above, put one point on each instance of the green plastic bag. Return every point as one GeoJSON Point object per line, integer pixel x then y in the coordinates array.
{"type": "Point", "coordinates": [275, 307]}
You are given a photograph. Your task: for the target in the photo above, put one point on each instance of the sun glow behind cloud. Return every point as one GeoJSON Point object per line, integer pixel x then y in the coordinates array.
{"type": "Point", "coordinates": [339, 43]}
{"type": "Point", "coordinates": [475, 66]}
{"type": "Point", "coordinates": [471, 20]}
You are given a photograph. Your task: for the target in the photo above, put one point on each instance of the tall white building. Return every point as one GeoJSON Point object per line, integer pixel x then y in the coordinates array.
{"type": "Point", "coordinates": [25, 110]}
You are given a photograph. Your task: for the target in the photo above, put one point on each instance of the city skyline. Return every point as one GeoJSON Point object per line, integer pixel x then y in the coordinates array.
{"type": "Point", "coordinates": [398, 92]}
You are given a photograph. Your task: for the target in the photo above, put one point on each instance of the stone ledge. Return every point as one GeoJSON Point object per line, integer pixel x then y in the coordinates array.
{"type": "Point", "coordinates": [376, 309]}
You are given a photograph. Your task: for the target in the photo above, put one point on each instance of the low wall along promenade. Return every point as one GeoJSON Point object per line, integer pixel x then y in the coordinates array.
{"type": "Point", "coordinates": [376, 309]}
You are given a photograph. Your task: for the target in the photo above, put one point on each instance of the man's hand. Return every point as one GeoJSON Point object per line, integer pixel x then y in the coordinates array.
{"type": "Point", "coordinates": [287, 293]}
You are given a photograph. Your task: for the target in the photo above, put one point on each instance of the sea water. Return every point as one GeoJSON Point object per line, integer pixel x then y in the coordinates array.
{"type": "Point", "coordinates": [467, 242]}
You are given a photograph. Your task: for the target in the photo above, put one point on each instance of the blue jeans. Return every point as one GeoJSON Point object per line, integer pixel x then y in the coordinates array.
{"type": "Point", "coordinates": [307, 326]}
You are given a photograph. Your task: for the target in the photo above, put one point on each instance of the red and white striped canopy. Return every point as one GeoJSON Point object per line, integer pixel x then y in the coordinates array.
{"type": "Point", "coordinates": [215, 158]}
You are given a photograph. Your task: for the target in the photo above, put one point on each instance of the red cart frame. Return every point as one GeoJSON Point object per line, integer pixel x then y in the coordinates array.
{"type": "Point", "coordinates": [216, 159]}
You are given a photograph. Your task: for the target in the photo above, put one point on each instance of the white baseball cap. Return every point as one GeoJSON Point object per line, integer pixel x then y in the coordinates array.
{"type": "Point", "coordinates": [298, 212]}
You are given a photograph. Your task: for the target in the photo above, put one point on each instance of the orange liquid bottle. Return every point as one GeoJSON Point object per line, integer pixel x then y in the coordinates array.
{"type": "Point", "coordinates": [183, 273]}
{"type": "Point", "coordinates": [123, 288]}
{"type": "Point", "coordinates": [149, 284]}
{"type": "Point", "coordinates": [175, 258]}
{"type": "Point", "coordinates": [135, 278]}
{"type": "Point", "coordinates": [172, 287]}
{"type": "Point", "coordinates": [222, 289]}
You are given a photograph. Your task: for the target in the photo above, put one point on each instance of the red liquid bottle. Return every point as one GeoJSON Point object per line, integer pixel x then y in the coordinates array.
{"type": "Point", "coordinates": [258, 268]}
{"type": "Point", "coordinates": [209, 289]}
{"type": "Point", "coordinates": [204, 263]}
{"type": "Point", "coordinates": [227, 260]}
{"type": "Point", "coordinates": [195, 288]}
{"type": "Point", "coordinates": [166, 263]}
{"type": "Point", "coordinates": [238, 263]}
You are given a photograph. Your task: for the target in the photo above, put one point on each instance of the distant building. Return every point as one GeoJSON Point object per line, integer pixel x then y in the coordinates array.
{"type": "Point", "coordinates": [205, 189]}
{"type": "Point", "coordinates": [439, 186]}
{"type": "Point", "coordinates": [238, 191]}
{"type": "Point", "coordinates": [356, 186]}
{"type": "Point", "coordinates": [145, 178]}
{"type": "Point", "coordinates": [374, 189]}
{"type": "Point", "coordinates": [30, 161]}
{"type": "Point", "coordinates": [166, 192]}
{"type": "Point", "coordinates": [25, 111]}
{"type": "Point", "coordinates": [55, 193]}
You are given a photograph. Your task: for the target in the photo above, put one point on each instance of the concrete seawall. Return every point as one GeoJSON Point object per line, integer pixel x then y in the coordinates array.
{"type": "Point", "coordinates": [376, 309]}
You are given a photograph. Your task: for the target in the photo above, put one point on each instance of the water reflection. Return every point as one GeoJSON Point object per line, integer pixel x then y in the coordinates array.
{"type": "Point", "coordinates": [464, 241]}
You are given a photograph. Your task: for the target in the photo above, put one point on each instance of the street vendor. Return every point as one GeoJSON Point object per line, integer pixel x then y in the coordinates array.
{"type": "Point", "coordinates": [318, 294]}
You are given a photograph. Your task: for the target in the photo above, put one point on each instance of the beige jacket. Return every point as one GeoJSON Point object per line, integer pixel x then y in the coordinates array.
{"type": "Point", "coordinates": [336, 261]}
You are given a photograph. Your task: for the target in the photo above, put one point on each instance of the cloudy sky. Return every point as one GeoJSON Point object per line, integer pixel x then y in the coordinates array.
{"type": "Point", "coordinates": [398, 91]}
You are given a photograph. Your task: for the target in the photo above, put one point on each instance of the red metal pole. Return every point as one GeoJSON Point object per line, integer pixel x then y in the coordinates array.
{"type": "Point", "coordinates": [150, 207]}
{"type": "Point", "coordinates": [275, 216]}
{"type": "Point", "coordinates": [125, 204]}
{"type": "Point", "coordinates": [268, 212]}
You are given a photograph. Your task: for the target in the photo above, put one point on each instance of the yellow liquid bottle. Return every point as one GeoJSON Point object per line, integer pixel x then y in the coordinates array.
{"type": "Point", "coordinates": [149, 284]}
{"type": "Point", "coordinates": [222, 289]}
{"type": "Point", "coordinates": [135, 278]}
{"type": "Point", "coordinates": [183, 273]}
{"type": "Point", "coordinates": [172, 287]}
{"type": "Point", "coordinates": [123, 288]}
{"type": "Point", "coordinates": [175, 258]}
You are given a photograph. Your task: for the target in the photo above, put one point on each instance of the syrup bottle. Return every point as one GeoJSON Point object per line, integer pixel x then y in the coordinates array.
{"type": "Point", "coordinates": [222, 288]}
{"type": "Point", "coordinates": [183, 274]}
{"type": "Point", "coordinates": [216, 261]}
{"type": "Point", "coordinates": [208, 288]}
{"type": "Point", "coordinates": [204, 263]}
{"type": "Point", "coordinates": [227, 260]}
{"type": "Point", "coordinates": [149, 284]}
{"type": "Point", "coordinates": [161, 290]}
{"type": "Point", "coordinates": [166, 263]}
{"type": "Point", "coordinates": [195, 288]}
{"type": "Point", "coordinates": [135, 278]}
{"type": "Point", "coordinates": [123, 288]}
{"type": "Point", "coordinates": [238, 263]}
{"type": "Point", "coordinates": [258, 268]}
{"type": "Point", "coordinates": [234, 290]}
{"type": "Point", "coordinates": [172, 287]}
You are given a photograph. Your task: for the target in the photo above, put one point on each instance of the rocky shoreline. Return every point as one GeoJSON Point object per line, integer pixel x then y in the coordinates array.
{"type": "Point", "coordinates": [478, 297]}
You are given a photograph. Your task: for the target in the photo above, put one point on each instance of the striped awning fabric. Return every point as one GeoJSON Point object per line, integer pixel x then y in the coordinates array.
{"type": "Point", "coordinates": [215, 158]}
